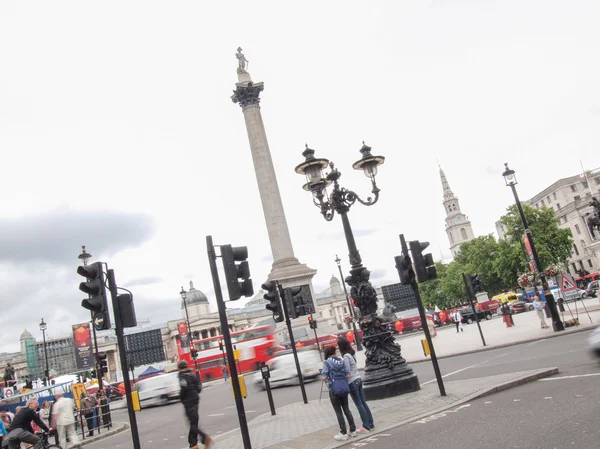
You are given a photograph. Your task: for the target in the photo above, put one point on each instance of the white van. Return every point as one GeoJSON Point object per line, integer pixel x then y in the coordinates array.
{"type": "Point", "coordinates": [159, 389]}
{"type": "Point", "coordinates": [282, 368]}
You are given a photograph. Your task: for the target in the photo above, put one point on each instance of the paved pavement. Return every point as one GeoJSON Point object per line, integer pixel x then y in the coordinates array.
{"type": "Point", "coordinates": [313, 425]}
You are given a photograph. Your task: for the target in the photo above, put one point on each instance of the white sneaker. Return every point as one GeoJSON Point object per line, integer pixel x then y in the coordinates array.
{"type": "Point", "coordinates": [352, 434]}
{"type": "Point", "coordinates": [341, 437]}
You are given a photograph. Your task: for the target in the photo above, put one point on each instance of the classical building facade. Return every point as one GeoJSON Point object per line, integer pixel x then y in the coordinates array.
{"type": "Point", "coordinates": [570, 198]}
{"type": "Point", "coordinates": [458, 225]}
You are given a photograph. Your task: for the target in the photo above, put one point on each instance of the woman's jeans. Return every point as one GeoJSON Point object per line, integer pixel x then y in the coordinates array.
{"type": "Point", "coordinates": [340, 403]}
{"type": "Point", "coordinates": [358, 396]}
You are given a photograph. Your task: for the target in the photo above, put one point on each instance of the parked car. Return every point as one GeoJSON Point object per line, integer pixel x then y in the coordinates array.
{"type": "Point", "coordinates": [282, 368]}
{"type": "Point", "coordinates": [158, 389]}
{"type": "Point", "coordinates": [592, 289]}
{"type": "Point", "coordinates": [468, 316]}
{"type": "Point", "coordinates": [520, 306]}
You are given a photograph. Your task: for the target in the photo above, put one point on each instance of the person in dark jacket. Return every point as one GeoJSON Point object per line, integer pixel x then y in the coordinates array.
{"type": "Point", "coordinates": [190, 397]}
{"type": "Point", "coordinates": [20, 430]}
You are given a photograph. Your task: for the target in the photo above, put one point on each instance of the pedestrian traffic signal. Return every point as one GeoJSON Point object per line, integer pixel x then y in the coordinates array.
{"type": "Point", "coordinates": [102, 364]}
{"type": "Point", "coordinates": [236, 272]}
{"type": "Point", "coordinates": [405, 269]}
{"type": "Point", "coordinates": [476, 283]}
{"type": "Point", "coordinates": [312, 322]}
{"type": "Point", "coordinates": [299, 301]}
{"type": "Point", "coordinates": [272, 296]}
{"type": "Point", "coordinates": [424, 265]}
{"type": "Point", "coordinates": [97, 301]}
{"type": "Point", "coordinates": [220, 345]}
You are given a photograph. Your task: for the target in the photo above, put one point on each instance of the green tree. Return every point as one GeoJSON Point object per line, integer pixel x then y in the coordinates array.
{"type": "Point", "coordinates": [553, 244]}
{"type": "Point", "coordinates": [431, 291]}
{"type": "Point", "coordinates": [480, 256]}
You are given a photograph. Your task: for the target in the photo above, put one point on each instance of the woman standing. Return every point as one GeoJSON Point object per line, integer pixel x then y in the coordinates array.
{"type": "Point", "coordinates": [336, 375]}
{"type": "Point", "coordinates": [45, 413]}
{"type": "Point", "coordinates": [356, 389]}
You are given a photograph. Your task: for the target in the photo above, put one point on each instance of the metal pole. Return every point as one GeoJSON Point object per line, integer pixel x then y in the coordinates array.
{"type": "Point", "coordinates": [317, 339]}
{"type": "Point", "coordinates": [473, 307]}
{"type": "Point", "coordinates": [557, 324]}
{"type": "Point", "coordinates": [47, 374]}
{"type": "Point", "coordinates": [187, 320]}
{"type": "Point", "coordinates": [99, 374]}
{"type": "Point", "coordinates": [284, 304]}
{"type": "Point", "coordinates": [350, 308]}
{"type": "Point", "coordinates": [235, 382]}
{"type": "Point", "coordinates": [434, 361]}
{"type": "Point", "coordinates": [112, 285]}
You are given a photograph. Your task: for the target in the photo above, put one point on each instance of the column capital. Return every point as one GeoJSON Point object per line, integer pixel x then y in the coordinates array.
{"type": "Point", "coordinates": [247, 94]}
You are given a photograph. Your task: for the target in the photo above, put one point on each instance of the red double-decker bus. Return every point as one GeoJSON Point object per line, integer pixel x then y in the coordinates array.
{"type": "Point", "coordinates": [256, 345]}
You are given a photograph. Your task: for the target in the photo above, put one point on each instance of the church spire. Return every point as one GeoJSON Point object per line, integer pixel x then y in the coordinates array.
{"type": "Point", "coordinates": [448, 194]}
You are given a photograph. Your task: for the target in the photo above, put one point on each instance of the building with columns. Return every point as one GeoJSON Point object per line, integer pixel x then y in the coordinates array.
{"type": "Point", "coordinates": [570, 198]}
{"type": "Point", "coordinates": [458, 225]}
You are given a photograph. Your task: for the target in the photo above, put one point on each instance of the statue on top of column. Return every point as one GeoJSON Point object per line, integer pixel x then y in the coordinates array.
{"type": "Point", "coordinates": [242, 61]}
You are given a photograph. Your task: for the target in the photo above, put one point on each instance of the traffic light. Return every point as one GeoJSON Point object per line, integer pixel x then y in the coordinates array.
{"type": "Point", "coordinates": [220, 345]}
{"type": "Point", "coordinates": [299, 301]}
{"type": "Point", "coordinates": [272, 296]}
{"type": "Point", "coordinates": [405, 269]}
{"type": "Point", "coordinates": [312, 322]}
{"type": "Point", "coordinates": [476, 283]}
{"type": "Point", "coordinates": [424, 265]}
{"type": "Point", "coordinates": [234, 272]}
{"type": "Point", "coordinates": [102, 364]}
{"type": "Point", "coordinates": [193, 352]}
{"type": "Point", "coordinates": [97, 302]}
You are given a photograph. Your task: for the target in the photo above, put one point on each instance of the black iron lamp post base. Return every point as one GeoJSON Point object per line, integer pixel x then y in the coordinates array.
{"type": "Point", "coordinates": [386, 372]}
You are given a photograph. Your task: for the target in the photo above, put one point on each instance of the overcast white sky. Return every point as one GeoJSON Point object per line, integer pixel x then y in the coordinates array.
{"type": "Point", "coordinates": [117, 131]}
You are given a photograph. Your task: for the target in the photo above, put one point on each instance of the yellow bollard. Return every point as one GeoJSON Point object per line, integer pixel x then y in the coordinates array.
{"type": "Point", "coordinates": [426, 350]}
{"type": "Point", "coordinates": [135, 400]}
{"type": "Point", "coordinates": [242, 386]}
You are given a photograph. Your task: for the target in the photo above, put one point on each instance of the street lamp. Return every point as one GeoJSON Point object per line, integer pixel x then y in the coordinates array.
{"type": "Point", "coordinates": [183, 294]}
{"type": "Point", "coordinates": [84, 256]}
{"type": "Point", "coordinates": [43, 327]}
{"type": "Point", "coordinates": [511, 181]}
{"type": "Point", "coordinates": [386, 372]}
{"type": "Point", "coordinates": [350, 307]}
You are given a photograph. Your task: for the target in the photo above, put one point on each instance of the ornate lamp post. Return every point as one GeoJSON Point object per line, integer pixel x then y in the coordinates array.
{"type": "Point", "coordinates": [43, 327]}
{"type": "Point", "coordinates": [183, 294]}
{"type": "Point", "coordinates": [511, 181]}
{"type": "Point", "coordinates": [386, 372]}
{"type": "Point", "coordinates": [350, 308]}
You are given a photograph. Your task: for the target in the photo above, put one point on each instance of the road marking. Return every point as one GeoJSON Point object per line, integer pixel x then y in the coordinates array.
{"type": "Point", "coordinates": [487, 402]}
{"type": "Point", "coordinates": [440, 415]}
{"type": "Point", "coordinates": [459, 370]}
{"type": "Point", "coordinates": [535, 342]}
{"type": "Point", "coordinates": [216, 414]}
{"type": "Point", "coordinates": [572, 377]}
{"type": "Point", "coordinates": [548, 397]}
{"type": "Point", "coordinates": [516, 400]}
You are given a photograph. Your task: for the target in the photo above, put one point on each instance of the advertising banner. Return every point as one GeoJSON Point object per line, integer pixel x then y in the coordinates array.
{"type": "Point", "coordinates": [532, 266]}
{"type": "Point", "coordinates": [184, 337]}
{"type": "Point", "coordinates": [82, 342]}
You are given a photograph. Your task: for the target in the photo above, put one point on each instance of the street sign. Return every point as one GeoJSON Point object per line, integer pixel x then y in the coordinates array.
{"type": "Point", "coordinates": [99, 321]}
{"type": "Point", "coordinates": [8, 392]}
{"type": "Point", "coordinates": [236, 354]}
{"type": "Point", "coordinates": [567, 283]}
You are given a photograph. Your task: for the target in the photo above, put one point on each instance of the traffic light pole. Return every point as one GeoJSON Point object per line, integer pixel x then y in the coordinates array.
{"type": "Point", "coordinates": [99, 373]}
{"type": "Point", "coordinates": [317, 338]}
{"type": "Point", "coordinates": [288, 323]}
{"type": "Point", "coordinates": [470, 296]}
{"type": "Point", "coordinates": [112, 285]}
{"type": "Point", "coordinates": [415, 287]}
{"type": "Point", "coordinates": [212, 260]}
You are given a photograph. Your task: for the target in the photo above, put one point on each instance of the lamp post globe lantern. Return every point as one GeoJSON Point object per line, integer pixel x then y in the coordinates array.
{"type": "Point", "coordinates": [43, 327]}
{"type": "Point", "coordinates": [386, 372]}
{"type": "Point", "coordinates": [84, 256]}
{"type": "Point", "coordinates": [511, 181]}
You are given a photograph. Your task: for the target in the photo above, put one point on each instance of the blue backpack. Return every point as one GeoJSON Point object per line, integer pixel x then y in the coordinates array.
{"type": "Point", "coordinates": [337, 376]}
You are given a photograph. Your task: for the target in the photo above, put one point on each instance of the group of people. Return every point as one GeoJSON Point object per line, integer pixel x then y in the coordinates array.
{"type": "Point", "coordinates": [58, 415]}
{"type": "Point", "coordinates": [21, 427]}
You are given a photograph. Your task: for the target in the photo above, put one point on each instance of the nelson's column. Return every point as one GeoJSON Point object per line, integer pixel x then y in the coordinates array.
{"type": "Point", "coordinates": [286, 268]}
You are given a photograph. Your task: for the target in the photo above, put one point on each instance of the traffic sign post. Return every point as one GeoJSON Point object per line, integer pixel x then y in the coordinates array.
{"type": "Point", "coordinates": [99, 321]}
